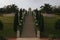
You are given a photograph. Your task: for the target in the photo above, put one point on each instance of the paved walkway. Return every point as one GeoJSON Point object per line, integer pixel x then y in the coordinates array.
{"type": "Point", "coordinates": [28, 30]}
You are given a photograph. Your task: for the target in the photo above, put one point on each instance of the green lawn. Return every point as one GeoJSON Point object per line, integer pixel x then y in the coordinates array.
{"type": "Point", "coordinates": [49, 26]}
{"type": "Point", "coordinates": [8, 26]}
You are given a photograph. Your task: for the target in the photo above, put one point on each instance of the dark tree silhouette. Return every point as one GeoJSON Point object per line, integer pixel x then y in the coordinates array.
{"type": "Point", "coordinates": [2, 10]}
{"type": "Point", "coordinates": [9, 9]}
{"type": "Point", "coordinates": [41, 23]}
{"type": "Point", "coordinates": [46, 8]}
{"type": "Point", "coordinates": [56, 10]}
{"type": "Point", "coordinates": [14, 8]}
{"type": "Point", "coordinates": [15, 22]}
{"type": "Point", "coordinates": [20, 13]}
{"type": "Point", "coordinates": [40, 20]}
{"type": "Point", "coordinates": [36, 11]}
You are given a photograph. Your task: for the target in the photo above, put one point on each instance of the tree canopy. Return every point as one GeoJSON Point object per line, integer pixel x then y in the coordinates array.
{"type": "Point", "coordinates": [9, 9]}
{"type": "Point", "coordinates": [47, 8]}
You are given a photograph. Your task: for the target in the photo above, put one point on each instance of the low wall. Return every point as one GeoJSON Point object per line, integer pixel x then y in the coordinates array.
{"type": "Point", "coordinates": [9, 14]}
{"type": "Point", "coordinates": [49, 15]}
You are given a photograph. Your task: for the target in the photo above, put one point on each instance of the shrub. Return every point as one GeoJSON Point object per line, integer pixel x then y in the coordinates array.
{"type": "Point", "coordinates": [1, 25]}
{"type": "Point", "coordinates": [57, 24]}
{"type": "Point", "coordinates": [2, 38]}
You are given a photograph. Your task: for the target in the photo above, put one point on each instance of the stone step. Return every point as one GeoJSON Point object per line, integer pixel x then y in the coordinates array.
{"type": "Point", "coordinates": [27, 39]}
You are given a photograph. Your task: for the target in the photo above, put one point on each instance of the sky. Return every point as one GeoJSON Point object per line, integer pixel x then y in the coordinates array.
{"type": "Point", "coordinates": [29, 3]}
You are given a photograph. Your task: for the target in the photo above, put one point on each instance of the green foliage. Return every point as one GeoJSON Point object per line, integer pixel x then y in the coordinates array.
{"type": "Point", "coordinates": [1, 25]}
{"type": "Point", "coordinates": [2, 10]}
{"type": "Point", "coordinates": [57, 24]}
{"type": "Point", "coordinates": [40, 20]}
{"type": "Point", "coordinates": [21, 20]}
{"type": "Point", "coordinates": [46, 8]}
{"type": "Point", "coordinates": [15, 22]}
{"type": "Point", "coordinates": [9, 9]}
{"type": "Point", "coordinates": [2, 38]}
{"type": "Point", "coordinates": [56, 10]}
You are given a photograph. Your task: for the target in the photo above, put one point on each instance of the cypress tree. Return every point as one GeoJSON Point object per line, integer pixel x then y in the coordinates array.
{"type": "Point", "coordinates": [40, 22]}
{"type": "Point", "coordinates": [15, 22]}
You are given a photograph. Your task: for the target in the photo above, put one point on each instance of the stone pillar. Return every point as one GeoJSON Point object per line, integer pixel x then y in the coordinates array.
{"type": "Point", "coordinates": [38, 34]}
{"type": "Point", "coordinates": [18, 33]}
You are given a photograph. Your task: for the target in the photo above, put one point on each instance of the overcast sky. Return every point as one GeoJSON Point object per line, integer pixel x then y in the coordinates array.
{"type": "Point", "coordinates": [28, 3]}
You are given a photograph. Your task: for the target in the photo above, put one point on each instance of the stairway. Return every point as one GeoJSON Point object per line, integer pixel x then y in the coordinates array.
{"type": "Point", "coordinates": [28, 27]}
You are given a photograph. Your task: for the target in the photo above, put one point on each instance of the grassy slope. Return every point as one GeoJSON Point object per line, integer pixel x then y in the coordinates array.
{"type": "Point", "coordinates": [49, 23]}
{"type": "Point", "coordinates": [8, 26]}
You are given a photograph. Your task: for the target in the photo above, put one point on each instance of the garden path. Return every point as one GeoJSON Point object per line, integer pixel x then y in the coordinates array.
{"type": "Point", "coordinates": [28, 30]}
